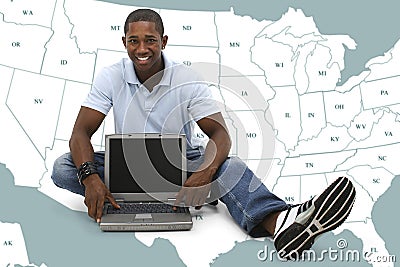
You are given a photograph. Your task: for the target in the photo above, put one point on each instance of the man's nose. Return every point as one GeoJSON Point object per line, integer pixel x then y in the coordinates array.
{"type": "Point", "coordinates": [142, 47]}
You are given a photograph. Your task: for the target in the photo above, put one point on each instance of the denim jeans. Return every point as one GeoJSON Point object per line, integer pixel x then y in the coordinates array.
{"type": "Point", "coordinates": [245, 196]}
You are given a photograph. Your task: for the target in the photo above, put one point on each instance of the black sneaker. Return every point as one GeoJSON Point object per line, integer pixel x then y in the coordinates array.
{"type": "Point", "coordinates": [315, 217]}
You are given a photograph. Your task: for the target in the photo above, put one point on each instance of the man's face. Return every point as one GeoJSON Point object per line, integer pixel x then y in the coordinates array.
{"type": "Point", "coordinates": [144, 44]}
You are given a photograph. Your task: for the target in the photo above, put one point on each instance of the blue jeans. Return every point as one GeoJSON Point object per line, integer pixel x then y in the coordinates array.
{"type": "Point", "coordinates": [245, 196]}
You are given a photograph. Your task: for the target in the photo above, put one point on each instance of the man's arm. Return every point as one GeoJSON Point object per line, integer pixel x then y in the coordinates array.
{"type": "Point", "coordinates": [197, 186]}
{"type": "Point", "coordinates": [86, 124]}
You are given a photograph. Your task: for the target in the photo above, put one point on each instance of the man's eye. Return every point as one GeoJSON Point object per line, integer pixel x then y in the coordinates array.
{"type": "Point", "coordinates": [132, 41]}
{"type": "Point", "coordinates": [151, 40]}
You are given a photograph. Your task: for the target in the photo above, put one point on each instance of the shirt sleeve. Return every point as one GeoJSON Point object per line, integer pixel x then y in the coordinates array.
{"type": "Point", "coordinates": [202, 103]}
{"type": "Point", "coordinates": [100, 95]}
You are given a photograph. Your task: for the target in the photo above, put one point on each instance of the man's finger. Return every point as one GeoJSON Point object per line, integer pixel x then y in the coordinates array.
{"type": "Point", "coordinates": [197, 199]}
{"type": "Point", "coordinates": [99, 210]}
{"type": "Point", "coordinates": [112, 201]}
{"type": "Point", "coordinates": [189, 197]}
{"type": "Point", "coordinates": [91, 209]}
{"type": "Point", "coordinates": [179, 197]}
{"type": "Point", "coordinates": [204, 197]}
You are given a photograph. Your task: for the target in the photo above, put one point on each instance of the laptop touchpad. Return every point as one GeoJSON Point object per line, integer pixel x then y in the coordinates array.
{"type": "Point", "coordinates": [143, 216]}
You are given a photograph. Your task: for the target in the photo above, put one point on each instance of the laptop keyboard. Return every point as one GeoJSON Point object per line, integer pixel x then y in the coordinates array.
{"type": "Point", "coordinates": [137, 208]}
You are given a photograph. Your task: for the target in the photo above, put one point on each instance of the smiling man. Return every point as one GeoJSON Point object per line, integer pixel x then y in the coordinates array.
{"type": "Point", "coordinates": [163, 96]}
{"type": "Point", "coordinates": [143, 41]}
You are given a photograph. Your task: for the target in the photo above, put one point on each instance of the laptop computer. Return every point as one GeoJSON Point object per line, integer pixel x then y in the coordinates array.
{"type": "Point", "coordinates": [142, 172]}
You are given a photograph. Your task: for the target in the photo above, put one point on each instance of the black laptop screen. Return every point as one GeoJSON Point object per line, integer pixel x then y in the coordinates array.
{"type": "Point", "coordinates": [145, 165]}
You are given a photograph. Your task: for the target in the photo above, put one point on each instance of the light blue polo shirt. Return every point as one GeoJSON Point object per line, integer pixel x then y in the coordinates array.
{"type": "Point", "coordinates": [174, 105]}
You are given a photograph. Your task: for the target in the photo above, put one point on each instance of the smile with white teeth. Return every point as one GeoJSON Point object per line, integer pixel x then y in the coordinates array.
{"type": "Point", "coordinates": [142, 58]}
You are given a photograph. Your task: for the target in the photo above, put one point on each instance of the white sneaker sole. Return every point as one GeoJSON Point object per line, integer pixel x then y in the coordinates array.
{"type": "Point", "coordinates": [331, 209]}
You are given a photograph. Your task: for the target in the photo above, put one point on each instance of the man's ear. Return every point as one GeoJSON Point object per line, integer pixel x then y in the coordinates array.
{"type": "Point", "coordinates": [124, 41]}
{"type": "Point", "coordinates": [164, 41]}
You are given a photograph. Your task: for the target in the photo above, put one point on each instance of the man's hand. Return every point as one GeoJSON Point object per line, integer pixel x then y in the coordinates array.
{"type": "Point", "coordinates": [198, 185]}
{"type": "Point", "coordinates": [96, 193]}
{"type": "Point", "coordinates": [196, 188]}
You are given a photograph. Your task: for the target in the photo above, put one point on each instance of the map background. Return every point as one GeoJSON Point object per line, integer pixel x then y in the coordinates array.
{"type": "Point", "coordinates": [163, 248]}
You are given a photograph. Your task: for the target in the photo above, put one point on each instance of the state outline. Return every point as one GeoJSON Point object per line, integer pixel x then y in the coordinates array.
{"type": "Point", "coordinates": [366, 148]}
{"type": "Point", "coordinates": [373, 124]}
{"type": "Point", "coordinates": [384, 109]}
{"type": "Point", "coordinates": [315, 154]}
{"type": "Point", "coordinates": [69, 36]}
{"type": "Point", "coordinates": [75, 38]}
{"type": "Point", "coordinates": [329, 65]}
{"type": "Point", "coordinates": [359, 183]}
{"type": "Point", "coordinates": [276, 131]}
{"type": "Point", "coordinates": [287, 28]}
{"type": "Point", "coordinates": [23, 24]}
{"type": "Point", "coordinates": [380, 79]}
{"type": "Point", "coordinates": [301, 121]}
{"type": "Point", "coordinates": [343, 93]}
{"type": "Point", "coordinates": [292, 58]}
{"type": "Point", "coordinates": [43, 156]}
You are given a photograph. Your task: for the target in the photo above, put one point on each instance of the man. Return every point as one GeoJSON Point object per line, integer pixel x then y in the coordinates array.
{"type": "Point", "coordinates": [148, 89]}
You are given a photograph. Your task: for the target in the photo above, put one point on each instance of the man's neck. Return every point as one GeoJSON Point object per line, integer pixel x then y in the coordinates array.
{"type": "Point", "coordinates": [151, 78]}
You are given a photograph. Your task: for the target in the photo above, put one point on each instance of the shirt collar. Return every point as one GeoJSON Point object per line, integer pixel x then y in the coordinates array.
{"type": "Point", "coordinates": [167, 76]}
{"type": "Point", "coordinates": [130, 74]}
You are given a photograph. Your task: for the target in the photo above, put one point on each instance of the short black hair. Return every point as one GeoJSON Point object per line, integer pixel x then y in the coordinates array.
{"type": "Point", "coordinates": [145, 15]}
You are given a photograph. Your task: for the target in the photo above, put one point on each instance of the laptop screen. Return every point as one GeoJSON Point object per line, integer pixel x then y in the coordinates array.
{"type": "Point", "coordinates": [145, 165]}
